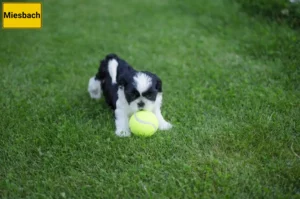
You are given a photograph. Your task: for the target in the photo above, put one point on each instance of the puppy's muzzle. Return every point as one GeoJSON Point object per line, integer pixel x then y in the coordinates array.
{"type": "Point", "coordinates": [141, 104]}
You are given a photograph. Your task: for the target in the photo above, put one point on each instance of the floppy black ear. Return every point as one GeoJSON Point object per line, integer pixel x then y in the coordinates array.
{"type": "Point", "coordinates": [158, 85]}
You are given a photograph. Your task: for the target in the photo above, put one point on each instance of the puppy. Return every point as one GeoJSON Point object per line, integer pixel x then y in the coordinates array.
{"type": "Point", "coordinates": [127, 91]}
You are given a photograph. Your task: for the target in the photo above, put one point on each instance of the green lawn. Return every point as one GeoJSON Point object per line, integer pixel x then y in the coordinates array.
{"type": "Point", "coordinates": [231, 85]}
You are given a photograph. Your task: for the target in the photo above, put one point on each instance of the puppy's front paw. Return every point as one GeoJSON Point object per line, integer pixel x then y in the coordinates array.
{"type": "Point", "coordinates": [165, 126]}
{"type": "Point", "coordinates": [123, 133]}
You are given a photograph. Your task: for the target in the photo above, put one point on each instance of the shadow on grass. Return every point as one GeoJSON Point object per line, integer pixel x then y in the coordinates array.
{"type": "Point", "coordinates": [279, 11]}
{"type": "Point", "coordinates": [257, 36]}
{"type": "Point", "coordinates": [277, 45]}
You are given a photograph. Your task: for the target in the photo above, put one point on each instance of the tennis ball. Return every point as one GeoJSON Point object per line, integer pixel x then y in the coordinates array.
{"type": "Point", "coordinates": [143, 123]}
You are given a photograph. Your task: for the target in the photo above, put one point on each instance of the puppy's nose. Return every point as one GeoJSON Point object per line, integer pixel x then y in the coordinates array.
{"type": "Point", "coordinates": [141, 104]}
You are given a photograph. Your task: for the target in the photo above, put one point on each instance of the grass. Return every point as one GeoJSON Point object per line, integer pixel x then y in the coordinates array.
{"type": "Point", "coordinates": [231, 90]}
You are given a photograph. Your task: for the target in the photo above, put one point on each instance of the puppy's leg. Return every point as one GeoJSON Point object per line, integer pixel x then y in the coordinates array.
{"type": "Point", "coordinates": [121, 122]}
{"type": "Point", "coordinates": [162, 123]}
{"type": "Point", "coordinates": [94, 88]}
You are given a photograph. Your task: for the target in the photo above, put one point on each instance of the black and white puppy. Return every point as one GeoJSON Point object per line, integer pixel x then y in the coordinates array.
{"type": "Point", "coordinates": [127, 91]}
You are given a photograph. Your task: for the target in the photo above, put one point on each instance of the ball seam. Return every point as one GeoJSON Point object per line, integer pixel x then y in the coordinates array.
{"type": "Point", "coordinates": [144, 122]}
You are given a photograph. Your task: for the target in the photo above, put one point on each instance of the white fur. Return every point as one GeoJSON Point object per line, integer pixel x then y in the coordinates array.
{"type": "Point", "coordinates": [112, 69]}
{"type": "Point", "coordinates": [94, 88]}
{"type": "Point", "coordinates": [122, 114]}
{"type": "Point", "coordinates": [122, 123]}
{"type": "Point", "coordinates": [142, 82]}
{"type": "Point", "coordinates": [162, 123]}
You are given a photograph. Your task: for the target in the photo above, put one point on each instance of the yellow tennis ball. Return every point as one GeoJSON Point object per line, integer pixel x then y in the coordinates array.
{"type": "Point", "coordinates": [143, 123]}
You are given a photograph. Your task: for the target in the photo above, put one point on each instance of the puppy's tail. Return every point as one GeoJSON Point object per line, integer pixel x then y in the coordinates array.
{"type": "Point", "coordinates": [94, 88]}
{"type": "Point", "coordinates": [111, 61]}
{"type": "Point", "coordinates": [108, 65]}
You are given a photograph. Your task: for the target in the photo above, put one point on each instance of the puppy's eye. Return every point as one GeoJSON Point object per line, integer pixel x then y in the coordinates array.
{"type": "Point", "coordinates": [134, 94]}
{"type": "Point", "coordinates": [149, 95]}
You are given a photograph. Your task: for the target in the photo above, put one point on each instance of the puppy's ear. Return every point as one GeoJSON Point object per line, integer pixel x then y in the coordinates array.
{"type": "Point", "coordinates": [158, 85]}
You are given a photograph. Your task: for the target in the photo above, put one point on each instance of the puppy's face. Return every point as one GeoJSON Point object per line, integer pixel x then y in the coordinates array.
{"type": "Point", "coordinates": [141, 91]}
